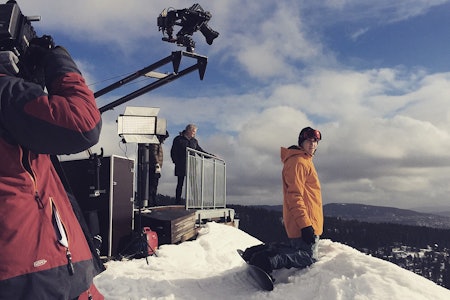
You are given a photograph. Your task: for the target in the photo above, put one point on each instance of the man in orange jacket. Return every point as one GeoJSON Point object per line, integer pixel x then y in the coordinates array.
{"type": "Point", "coordinates": [302, 209]}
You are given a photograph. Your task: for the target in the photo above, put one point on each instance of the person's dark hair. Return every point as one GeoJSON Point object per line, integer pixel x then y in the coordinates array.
{"type": "Point", "coordinates": [308, 133]}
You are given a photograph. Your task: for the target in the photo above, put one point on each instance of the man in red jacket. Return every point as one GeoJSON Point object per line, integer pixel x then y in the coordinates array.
{"type": "Point", "coordinates": [45, 252]}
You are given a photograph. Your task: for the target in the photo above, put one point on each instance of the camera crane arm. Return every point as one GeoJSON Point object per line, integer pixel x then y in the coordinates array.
{"type": "Point", "coordinates": [174, 58]}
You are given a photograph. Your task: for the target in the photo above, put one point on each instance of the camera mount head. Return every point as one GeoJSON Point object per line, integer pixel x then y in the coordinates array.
{"type": "Point", "coordinates": [190, 19]}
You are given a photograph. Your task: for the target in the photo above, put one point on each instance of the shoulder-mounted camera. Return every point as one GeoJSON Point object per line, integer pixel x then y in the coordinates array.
{"type": "Point", "coordinates": [18, 36]}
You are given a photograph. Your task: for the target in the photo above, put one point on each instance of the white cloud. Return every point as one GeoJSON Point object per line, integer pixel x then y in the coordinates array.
{"type": "Point", "coordinates": [382, 10]}
{"type": "Point", "coordinates": [362, 16]}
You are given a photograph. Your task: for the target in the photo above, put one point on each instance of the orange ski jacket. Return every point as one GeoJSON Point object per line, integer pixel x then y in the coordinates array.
{"type": "Point", "coordinates": [302, 203]}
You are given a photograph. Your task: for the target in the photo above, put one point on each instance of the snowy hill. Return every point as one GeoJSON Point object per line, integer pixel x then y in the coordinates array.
{"type": "Point", "coordinates": [210, 268]}
{"type": "Point", "coordinates": [383, 214]}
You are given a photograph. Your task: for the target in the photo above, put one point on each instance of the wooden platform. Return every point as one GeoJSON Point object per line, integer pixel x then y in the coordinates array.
{"type": "Point", "coordinates": [173, 224]}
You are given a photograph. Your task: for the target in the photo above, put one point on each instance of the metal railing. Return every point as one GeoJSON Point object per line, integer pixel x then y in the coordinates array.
{"type": "Point", "coordinates": [205, 181]}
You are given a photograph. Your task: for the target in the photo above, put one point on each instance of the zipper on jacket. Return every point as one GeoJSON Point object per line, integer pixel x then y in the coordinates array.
{"type": "Point", "coordinates": [25, 158]}
{"type": "Point", "coordinates": [38, 200]}
{"type": "Point", "coordinates": [62, 237]}
{"type": "Point", "coordinates": [69, 262]}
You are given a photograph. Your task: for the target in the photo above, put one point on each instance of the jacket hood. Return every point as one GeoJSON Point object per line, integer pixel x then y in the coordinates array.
{"type": "Point", "coordinates": [293, 150]}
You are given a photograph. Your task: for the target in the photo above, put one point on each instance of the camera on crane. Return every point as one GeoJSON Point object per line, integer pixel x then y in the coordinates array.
{"type": "Point", "coordinates": [190, 19]}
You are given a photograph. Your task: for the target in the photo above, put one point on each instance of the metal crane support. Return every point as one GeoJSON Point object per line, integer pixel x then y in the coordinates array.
{"type": "Point", "coordinates": [162, 79]}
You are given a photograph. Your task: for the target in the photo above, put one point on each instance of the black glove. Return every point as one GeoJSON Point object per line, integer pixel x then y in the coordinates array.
{"type": "Point", "coordinates": [308, 235]}
{"type": "Point", "coordinates": [37, 55]}
{"type": "Point", "coordinates": [36, 59]}
{"type": "Point", "coordinates": [39, 50]}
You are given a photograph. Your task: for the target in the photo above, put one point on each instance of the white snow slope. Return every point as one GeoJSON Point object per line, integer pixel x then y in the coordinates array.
{"type": "Point", "coordinates": [210, 268]}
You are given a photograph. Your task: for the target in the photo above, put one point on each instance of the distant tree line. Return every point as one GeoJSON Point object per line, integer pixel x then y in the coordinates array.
{"type": "Point", "coordinates": [374, 235]}
{"type": "Point", "coordinates": [261, 223]}
{"type": "Point", "coordinates": [423, 250]}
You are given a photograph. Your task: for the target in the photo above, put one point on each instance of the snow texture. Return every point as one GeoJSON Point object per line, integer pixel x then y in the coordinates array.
{"type": "Point", "coordinates": [210, 268]}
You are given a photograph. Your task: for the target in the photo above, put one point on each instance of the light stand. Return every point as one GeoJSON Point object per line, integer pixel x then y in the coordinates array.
{"type": "Point", "coordinates": [140, 125]}
{"type": "Point", "coordinates": [142, 200]}
{"type": "Point", "coordinates": [143, 176]}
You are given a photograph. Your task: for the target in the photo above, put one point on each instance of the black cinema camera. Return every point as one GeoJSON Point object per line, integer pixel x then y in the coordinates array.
{"type": "Point", "coordinates": [18, 36]}
{"type": "Point", "coordinates": [190, 19]}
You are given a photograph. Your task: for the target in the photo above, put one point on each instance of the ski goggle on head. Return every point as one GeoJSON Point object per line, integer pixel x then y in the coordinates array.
{"type": "Point", "coordinates": [310, 133]}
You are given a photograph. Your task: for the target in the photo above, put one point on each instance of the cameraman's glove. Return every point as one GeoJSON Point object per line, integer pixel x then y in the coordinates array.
{"type": "Point", "coordinates": [308, 235]}
{"type": "Point", "coordinates": [38, 55]}
{"type": "Point", "coordinates": [35, 64]}
{"type": "Point", "coordinates": [38, 51]}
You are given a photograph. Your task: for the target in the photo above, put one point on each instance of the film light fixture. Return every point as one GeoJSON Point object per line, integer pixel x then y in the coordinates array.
{"type": "Point", "coordinates": [141, 125]}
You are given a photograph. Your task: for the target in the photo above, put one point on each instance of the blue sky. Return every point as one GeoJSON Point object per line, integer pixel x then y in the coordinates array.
{"type": "Point", "coordinates": [421, 41]}
{"type": "Point", "coordinates": [373, 76]}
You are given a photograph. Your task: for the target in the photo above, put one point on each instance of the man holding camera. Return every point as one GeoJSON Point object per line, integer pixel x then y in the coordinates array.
{"type": "Point", "coordinates": [46, 251]}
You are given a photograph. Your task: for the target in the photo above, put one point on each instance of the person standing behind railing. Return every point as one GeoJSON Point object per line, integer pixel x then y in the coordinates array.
{"type": "Point", "coordinates": [186, 139]}
{"type": "Point", "coordinates": [156, 158]}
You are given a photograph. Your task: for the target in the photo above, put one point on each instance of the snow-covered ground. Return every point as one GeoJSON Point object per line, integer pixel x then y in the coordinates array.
{"type": "Point", "coordinates": [210, 268]}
